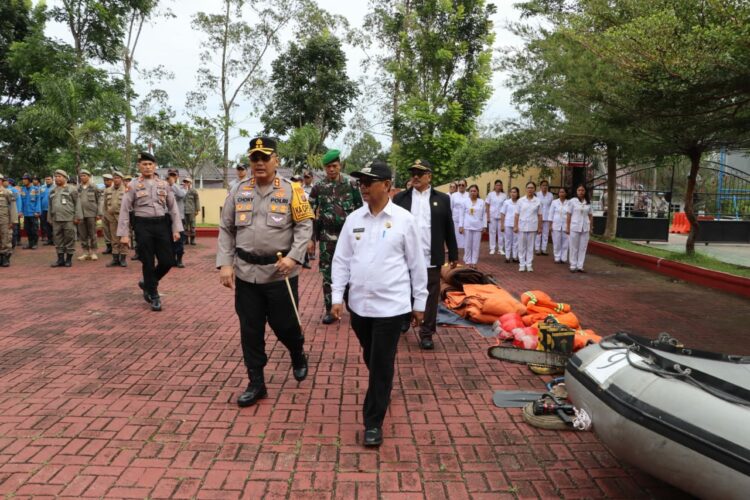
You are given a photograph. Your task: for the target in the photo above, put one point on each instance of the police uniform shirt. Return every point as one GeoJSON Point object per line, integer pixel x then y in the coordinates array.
{"type": "Point", "coordinates": [380, 257]}
{"type": "Point", "coordinates": [495, 201]}
{"type": "Point", "coordinates": [558, 214]}
{"type": "Point", "coordinates": [148, 198]}
{"type": "Point", "coordinates": [528, 214]}
{"type": "Point", "coordinates": [546, 200]}
{"type": "Point", "coordinates": [474, 215]}
{"type": "Point", "coordinates": [579, 215]}
{"type": "Point", "coordinates": [64, 204]}
{"type": "Point", "coordinates": [264, 220]}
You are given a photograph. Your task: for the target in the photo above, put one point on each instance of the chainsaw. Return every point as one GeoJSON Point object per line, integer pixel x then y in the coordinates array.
{"type": "Point", "coordinates": [548, 359]}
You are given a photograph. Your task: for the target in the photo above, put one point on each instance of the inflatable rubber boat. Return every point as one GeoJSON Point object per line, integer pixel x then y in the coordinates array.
{"type": "Point", "coordinates": [679, 414]}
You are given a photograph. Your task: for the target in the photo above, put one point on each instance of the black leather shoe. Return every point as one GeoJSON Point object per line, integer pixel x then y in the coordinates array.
{"type": "Point", "coordinates": [374, 436]}
{"type": "Point", "coordinates": [307, 265]}
{"type": "Point", "coordinates": [427, 344]}
{"type": "Point", "coordinates": [405, 325]}
{"type": "Point", "coordinates": [123, 260]}
{"type": "Point", "coordinates": [252, 394]}
{"type": "Point", "coordinates": [108, 250]}
{"type": "Point", "coordinates": [155, 302]}
{"type": "Point", "coordinates": [328, 319]}
{"type": "Point", "coordinates": [299, 366]}
{"type": "Point", "coordinates": [60, 261]}
{"type": "Point", "coordinates": [146, 295]}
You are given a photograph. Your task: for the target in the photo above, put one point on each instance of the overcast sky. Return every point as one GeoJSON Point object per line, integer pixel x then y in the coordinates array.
{"type": "Point", "coordinates": [173, 44]}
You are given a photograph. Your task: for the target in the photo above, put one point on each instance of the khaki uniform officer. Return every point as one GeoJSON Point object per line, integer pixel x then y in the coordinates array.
{"type": "Point", "coordinates": [89, 196]}
{"type": "Point", "coordinates": [111, 203]}
{"type": "Point", "coordinates": [64, 213]}
{"type": "Point", "coordinates": [108, 181]}
{"type": "Point", "coordinates": [8, 215]}
{"type": "Point", "coordinates": [263, 215]}
{"type": "Point", "coordinates": [156, 222]}
{"type": "Point", "coordinates": [192, 209]}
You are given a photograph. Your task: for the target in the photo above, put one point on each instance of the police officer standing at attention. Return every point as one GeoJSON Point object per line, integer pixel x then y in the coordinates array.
{"type": "Point", "coordinates": [108, 180]}
{"type": "Point", "coordinates": [332, 200]}
{"type": "Point", "coordinates": [89, 195]}
{"type": "Point", "coordinates": [111, 203]}
{"type": "Point", "coordinates": [192, 209]}
{"type": "Point", "coordinates": [8, 214]}
{"type": "Point", "coordinates": [154, 208]}
{"type": "Point", "coordinates": [64, 213]}
{"type": "Point", "coordinates": [263, 216]}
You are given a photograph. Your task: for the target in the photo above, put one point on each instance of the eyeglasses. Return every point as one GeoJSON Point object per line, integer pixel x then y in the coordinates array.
{"type": "Point", "coordinates": [308, 176]}
{"type": "Point", "coordinates": [369, 182]}
{"type": "Point", "coordinates": [255, 157]}
{"type": "Point", "coordinates": [418, 173]}
{"type": "Point", "coordinates": [462, 185]}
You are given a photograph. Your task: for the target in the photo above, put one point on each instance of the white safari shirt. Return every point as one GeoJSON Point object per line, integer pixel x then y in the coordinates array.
{"type": "Point", "coordinates": [528, 214]}
{"type": "Point", "coordinates": [558, 214]}
{"type": "Point", "coordinates": [380, 257]}
{"type": "Point", "coordinates": [546, 200]}
{"type": "Point", "coordinates": [579, 215]}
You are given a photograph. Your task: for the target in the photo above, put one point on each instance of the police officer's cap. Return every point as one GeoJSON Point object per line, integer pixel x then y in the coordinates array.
{"type": "Point", "coordinates": [377, 169]}
{"type": "Point", "coordinates": [265, 145]}
{"type": "Point", "coordinates": [63, 173]}
{"type": "Point", "coordinates": [128, 178]}
{"type": "Point", "coordinates": [117, 173]}
{"type": "Point", "coordinates": [85, 172]}
{"type": "Point", "coordinates": [187, 179]}
{"type": "Point", "coordinates": [173, 171]}
{"type": "Point", "coordinates": [241, 166]}
{"type": "Point", "coordinates": [26, 176]}
{"type": "Point", "coordinates": [331, 156]}
{"type": "Point", "coordinates": [107, 177]}
{"type": "Point", "coordinates": [146, 156]}
{"type": "Point", "coordinates": [421, 165]}
{"type": "Point", "coordinates": [36, 178]}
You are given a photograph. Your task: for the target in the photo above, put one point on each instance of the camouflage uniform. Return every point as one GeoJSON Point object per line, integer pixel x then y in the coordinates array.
{"type": "Point", "coordinates": [332, 202]}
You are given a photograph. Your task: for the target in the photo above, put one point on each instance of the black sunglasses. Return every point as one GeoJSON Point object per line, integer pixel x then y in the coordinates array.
{"type": "Point", "coordinates": [259, 156]}
{"type": "Point", "coordinates": [368, 182]}
{"type": "Point", "coordinates": [418, 173]}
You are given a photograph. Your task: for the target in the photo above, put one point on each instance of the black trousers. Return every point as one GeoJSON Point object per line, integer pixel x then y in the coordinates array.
{"type": "Point", "coordinates": [46, 226]}
{"type": "Point", "coordinates": [379, 340]}
{"type": "Point", "coordinates": [179, 246]}
{"type": "Point", "coordinates": [429, 327]}
{"type": "Point", "coordinates": [256, 303]}
{"type": "Point", "coordinates": [31, 226]}
{"type": "Point", "coordinates": [154, 237]}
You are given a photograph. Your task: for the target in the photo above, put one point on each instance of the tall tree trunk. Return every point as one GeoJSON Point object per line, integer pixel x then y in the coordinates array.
{"type": "Point", "coordinates": [128, 63]}
{"type": "Point", "coordinates": [611, 229]}
{"type": "Point", "coordinates": [225, 128]}
{"type": "Point", "coordinates": [226, 105]}
{"type": "Point", "coordinates": [695, 165]}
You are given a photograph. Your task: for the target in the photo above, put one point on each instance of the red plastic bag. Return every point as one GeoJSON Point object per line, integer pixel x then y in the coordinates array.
{"type": "Point", "coordinates": [510, 321]}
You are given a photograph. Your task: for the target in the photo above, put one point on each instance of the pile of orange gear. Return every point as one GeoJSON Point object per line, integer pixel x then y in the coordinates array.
{"type": "Point", "coordinates": [483, 303]}
{"type": "Point", "coordinates": [539, 305]}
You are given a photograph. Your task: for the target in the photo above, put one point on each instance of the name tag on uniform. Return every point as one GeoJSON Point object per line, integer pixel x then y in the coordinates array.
{"type": "Point", "coordinates": [140, 194]}
{"type": "Point", "coordinates": [64, 201]}
{"type": "Point", "coordinates": [358, 230]}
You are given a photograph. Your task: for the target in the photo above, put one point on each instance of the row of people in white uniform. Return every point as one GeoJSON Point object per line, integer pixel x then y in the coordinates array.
{"type": "Point", "coordinates": [523, 225]}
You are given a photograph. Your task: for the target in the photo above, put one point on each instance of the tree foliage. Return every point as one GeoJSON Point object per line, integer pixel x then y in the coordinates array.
{"type": "Point", "coordinates": [310, 86]}
{"type": "Point", "coordinates": [366, 149]}
{"type": "Point", "coordinates": [303, 148]}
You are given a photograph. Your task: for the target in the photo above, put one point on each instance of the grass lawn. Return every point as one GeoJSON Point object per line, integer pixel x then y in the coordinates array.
{"type": "Point", "coordinates": [698, 260]}
{"type": "Point", "coordinates": [206, 225]}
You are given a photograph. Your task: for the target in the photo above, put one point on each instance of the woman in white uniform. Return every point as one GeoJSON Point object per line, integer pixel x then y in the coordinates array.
{"type": "Point", "coordinates": [472, 224]}
{"type": "Point", "coordinates": [494, 202]}
{"type": "Point", "coordinates": [457, 202]}
{"type": "Point", "coordinates": [542, 240]}
{"type": "Point", "coordinates": [559, 216]}
{"type": "Point", "coordinates": [527, 225]}
{"type": "Point", "coordinates": [579, 224]}
{"type": "Point", "coordinates": [507, 218]}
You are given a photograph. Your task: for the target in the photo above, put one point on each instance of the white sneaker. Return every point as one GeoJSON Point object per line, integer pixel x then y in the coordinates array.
{"type": "Point", "coordinates": [529, 269]}
{"type": "Point", "coordinates": [521, 269]}
{"type": "Point", "coordinates": [93, 256]}
{"type": "Point", "coordinates": [501, 252]}
{"type": "Point", "coordinates": [492, 252]}
{"type": "Point", "coordinates": [84, 256]}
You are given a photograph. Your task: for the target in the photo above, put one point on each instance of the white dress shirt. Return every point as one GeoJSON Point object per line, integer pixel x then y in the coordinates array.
{"type": "Point", "coordinates": [528, 213]}
{"type": "Point", "coordinates": [474, 215]}
{"type": "Point", "coordinates": [579, 215]}
{"type": "Point", "coordinates": [546, 200]}
{"type": "Point", "coordinates": [558, 214]}
{"type": "Point", "coordinates": [509, 209]}
{"type": "Point", "coordinates": [420, 209]}
{"type": "Point", "coordinates": [380, 257]}
{"type": "Point", "coordinates": [495, 201]}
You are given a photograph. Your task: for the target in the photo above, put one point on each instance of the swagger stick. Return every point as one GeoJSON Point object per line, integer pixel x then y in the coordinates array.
{"type": "Point", "coordinates": [291, 295]}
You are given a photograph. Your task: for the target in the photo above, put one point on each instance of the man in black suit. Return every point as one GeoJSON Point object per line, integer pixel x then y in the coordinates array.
{"type": "Point", "coordinates": [432, 210]}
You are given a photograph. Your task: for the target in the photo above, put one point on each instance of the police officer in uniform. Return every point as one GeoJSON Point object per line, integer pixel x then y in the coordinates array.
{"type": "Point", "coordinates": [89, 195]}
{"type": "Point", "coordinates": [8, 214]}
{"type": "Point", "coordinates": [64, 214]}
{"type": "Point", "coordinates": [192, 209]}
{"type": "Point", "coordinates": [157, 224]}
{"type": "Point", "coordinates": [108, 182]}
{"type": "Point", "coordinates": [332, 199]}
{"type": "Point", "coordinates": [111, 203]}
{"type": "Point", "coordinates": [262, 216]}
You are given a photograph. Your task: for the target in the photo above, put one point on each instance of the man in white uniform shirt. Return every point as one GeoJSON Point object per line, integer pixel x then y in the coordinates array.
{"type": "Point", "coordinates": [494, 203]}
{"type": "Point", "coordinates": [546, 198]}
{"type": "Point", "coordinates": [379, 257]}
{"type": "Point", "coordinates": [457, 206]}
{"type": "Point", "coordinates": [432, 211]}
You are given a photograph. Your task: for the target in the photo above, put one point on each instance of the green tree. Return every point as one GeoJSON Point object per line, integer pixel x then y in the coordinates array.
{"type": "Point", "coordinates": [438, 67]}
{"type": "Point", "coordinates": [310, 86]}
{"type": "Point", "coordinates": [303, 148]}
{"type": "Point", "coordinates": [366, 149]}
{"type": "Point", "coordinates": [232, 62]}
{"type": "Point", "coordinates": [97, 26]}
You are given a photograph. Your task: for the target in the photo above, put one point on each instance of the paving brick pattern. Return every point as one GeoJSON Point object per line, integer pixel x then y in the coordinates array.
{"type": "Point", "coordinates": [99, 397]}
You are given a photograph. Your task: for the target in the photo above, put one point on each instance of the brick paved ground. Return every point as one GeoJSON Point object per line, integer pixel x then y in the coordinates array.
{"type": "Point", "coordinates": [101, 398]}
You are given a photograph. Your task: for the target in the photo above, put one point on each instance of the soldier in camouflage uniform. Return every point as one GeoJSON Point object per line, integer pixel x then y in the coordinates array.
{"type": "Point", "coordinates": [332, 200]}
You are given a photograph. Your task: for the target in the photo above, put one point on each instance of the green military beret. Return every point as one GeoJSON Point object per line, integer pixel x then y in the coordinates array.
{"type": "Point", "coordinates": [63, 173]}
{"type": "Point", "coordinates": [85, 172]}
{"type": "Point", "coordinates": [331, 156]}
